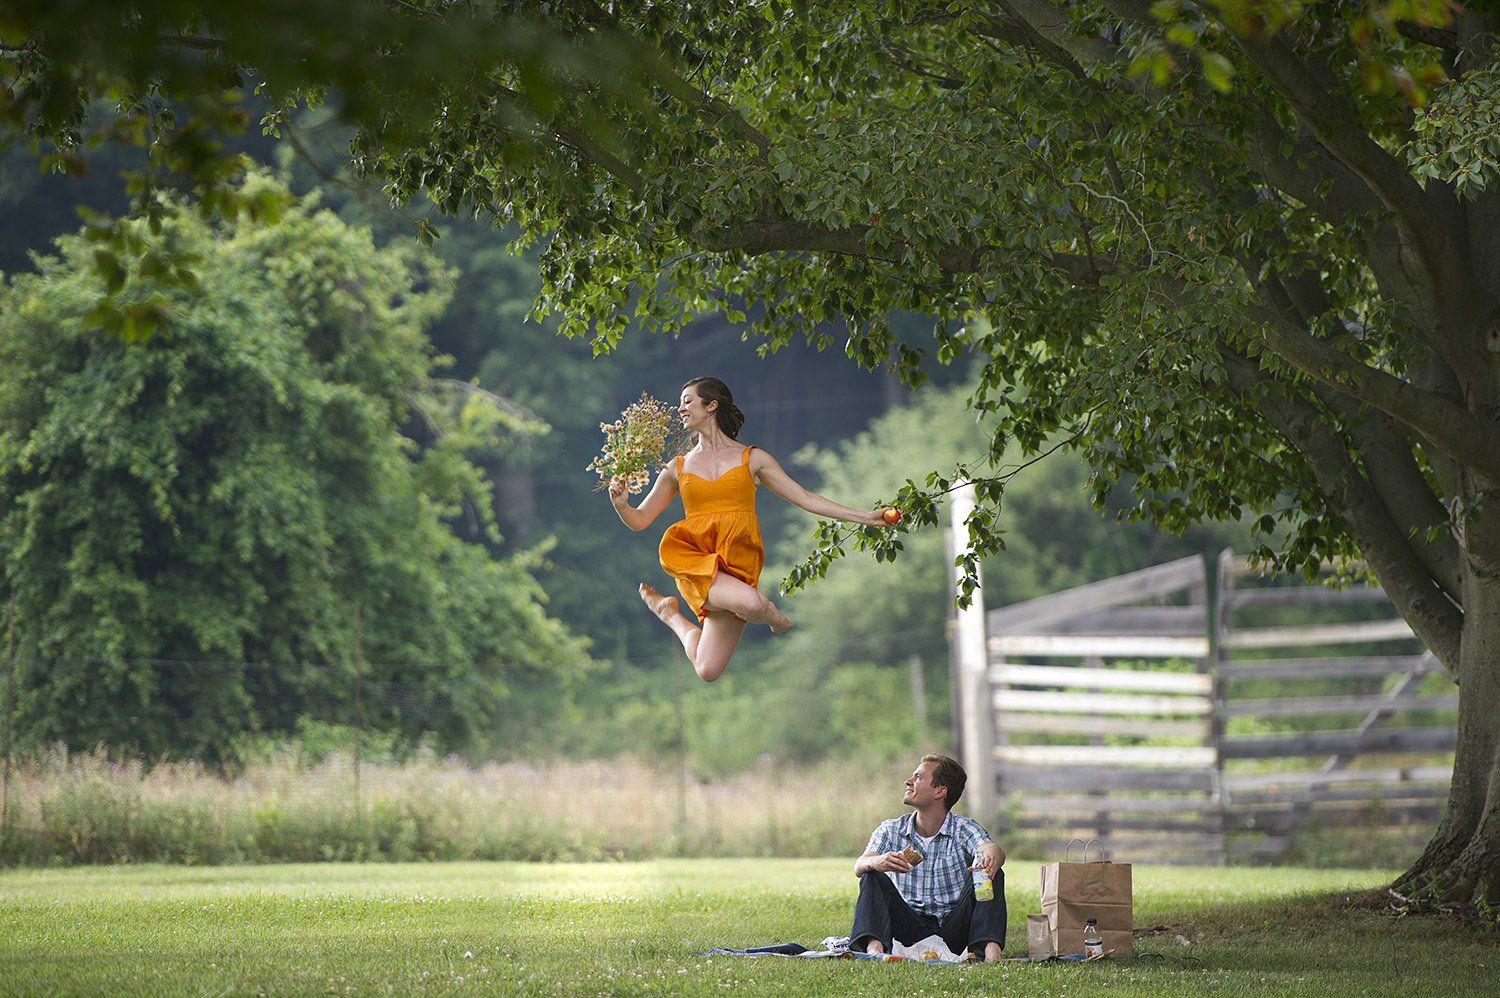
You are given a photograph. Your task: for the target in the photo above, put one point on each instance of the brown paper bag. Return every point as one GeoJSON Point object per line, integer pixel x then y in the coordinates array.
{"type": "Point", "coordinates": [1039, 938]}
{"type": "Point", "coordinates": [1073, 892]}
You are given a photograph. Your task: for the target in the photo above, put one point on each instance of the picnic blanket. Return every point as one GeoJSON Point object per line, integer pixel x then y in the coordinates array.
{"type": "Point", "coordinates": [837, 948]}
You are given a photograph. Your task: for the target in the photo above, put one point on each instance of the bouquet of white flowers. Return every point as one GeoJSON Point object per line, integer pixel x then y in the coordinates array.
{"type": "Point", "coordinates": [636, 443]}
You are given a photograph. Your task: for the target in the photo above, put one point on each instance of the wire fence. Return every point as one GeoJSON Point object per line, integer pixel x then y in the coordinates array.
{"type": "Point", "coordinates": [349, 761]}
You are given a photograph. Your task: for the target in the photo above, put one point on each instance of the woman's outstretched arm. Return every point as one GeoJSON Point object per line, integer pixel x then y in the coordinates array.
{"type": "Point", "coordinates": [658, 499]}
{"type": "Point", "coordinates": [770, 474]}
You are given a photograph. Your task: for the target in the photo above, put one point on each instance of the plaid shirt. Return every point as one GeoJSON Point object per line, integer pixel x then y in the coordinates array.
{"type": "Point", "coordinates": [933, 887]}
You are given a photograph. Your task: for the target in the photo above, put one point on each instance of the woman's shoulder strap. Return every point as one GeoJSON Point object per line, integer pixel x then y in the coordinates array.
{"type": "Point", "coordinates": [745, 456]}
{"type": "Point", "coordinates": [679, 465]}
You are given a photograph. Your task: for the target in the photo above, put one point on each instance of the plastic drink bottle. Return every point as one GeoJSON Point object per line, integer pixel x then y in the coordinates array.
{"type": "Point", "coordinates": [1093, 943]}
{"type": "Point", "coordinates": [984, 887]}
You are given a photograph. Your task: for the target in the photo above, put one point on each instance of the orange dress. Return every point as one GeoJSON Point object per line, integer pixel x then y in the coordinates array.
{"type": "Point", "coordinates": [718, 533]}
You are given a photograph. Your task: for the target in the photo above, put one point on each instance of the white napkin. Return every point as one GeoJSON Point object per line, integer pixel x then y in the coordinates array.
{"type": "Point", "coordinates": [913, 951]}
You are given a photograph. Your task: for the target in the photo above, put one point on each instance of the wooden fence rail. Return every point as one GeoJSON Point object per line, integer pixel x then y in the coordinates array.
{"type": "Point", "coordinates": [1135, 710]}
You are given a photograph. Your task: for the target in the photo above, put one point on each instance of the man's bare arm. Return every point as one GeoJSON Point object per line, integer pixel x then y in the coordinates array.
{"type": "Point", "coordinates": [988, 857]}
{"type": "Point", "coordinates": [883, 862]}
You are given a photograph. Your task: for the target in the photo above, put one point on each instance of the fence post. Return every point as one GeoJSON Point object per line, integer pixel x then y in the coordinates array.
{"type": "Point", "coordinates": [918, 695]}
{"type": "Point", "coordinates": [358, 712]}
{"type": "Point", "coordinates": [681, 755]}
{"type": "Point", "coordinates": [10, 714]}
{"type": "Point", "coordinates": [970, 664]}
{"type": "Point", "coordinates": [1218, 652]}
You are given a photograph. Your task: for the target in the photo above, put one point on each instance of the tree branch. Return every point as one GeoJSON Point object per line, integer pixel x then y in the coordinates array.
{"type": "Point", "coordinates": [1322, 183]}
{"type": "Point", "coordinates": [580, 143]}
{"type": "Point", "coordinates": [1046, 30]}
{"type": "Point", "coordinates": [198, 42]}
{"type": "Point", "coordinates": [1402, 488]}
{"type": "Point", "coordinates": [1133, 11]}
{"type": "Point", "coordinates": [1318, 99]}
{"type": "Point", "coordinates": [1468, 438]}
{"type": "Point", "coordinates": [1442, 38]}
{"type": "Point", "coordinates": [911, 62]}
{"type": "Point", "coordinates": [602, 157]}
{"type": "Point", "coordinates": [772, 235]}
{"type": "Point", "coordinates": [1433, 617]}
{"type": "Point", "coordinates": [1300, 294]}
{"type": "Point", "coordinates": [710, 107]}
{"type": "Point", "coordinates": [1431, 373]}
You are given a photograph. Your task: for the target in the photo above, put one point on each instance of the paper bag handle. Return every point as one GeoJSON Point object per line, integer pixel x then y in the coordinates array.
{"type": "Point", "coordinates": [1068, 855]}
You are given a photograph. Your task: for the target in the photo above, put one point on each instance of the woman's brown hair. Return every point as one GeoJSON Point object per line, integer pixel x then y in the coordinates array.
{"type": "Point", "coordinates": [727, 415]}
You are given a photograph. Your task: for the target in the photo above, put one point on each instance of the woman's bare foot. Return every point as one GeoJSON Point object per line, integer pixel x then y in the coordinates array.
{"type": "Point", "coordinates": [660, 604]}
{"type": "Point", "coordinates": [779, 622]}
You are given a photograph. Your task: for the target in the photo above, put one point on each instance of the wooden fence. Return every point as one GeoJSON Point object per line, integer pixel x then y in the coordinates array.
{"type": "Point", "coordinates": [1366, 761]}
{"type": "Point", "coordinates": [1181, 723]}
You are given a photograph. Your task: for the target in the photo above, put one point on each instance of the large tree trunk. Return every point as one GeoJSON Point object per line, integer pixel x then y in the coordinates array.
{"type": "Point", "coordinates": [1462, 862]}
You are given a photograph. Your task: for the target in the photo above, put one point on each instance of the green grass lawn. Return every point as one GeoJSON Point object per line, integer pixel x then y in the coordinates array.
{"type": "Point", "coordinates": [638, 927]}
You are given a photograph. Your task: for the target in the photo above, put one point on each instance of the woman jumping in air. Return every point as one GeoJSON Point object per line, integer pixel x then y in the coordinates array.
{"type": "Point", "coordinates": [714, 552]}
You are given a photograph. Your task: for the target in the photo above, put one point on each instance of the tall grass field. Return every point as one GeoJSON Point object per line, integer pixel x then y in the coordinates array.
{"type": "Point", "coordinates": [89, 808]}
{"type": "Point", "coordinates": [639, 928]}
{"type": "Point", "coordinates": [75, 808]}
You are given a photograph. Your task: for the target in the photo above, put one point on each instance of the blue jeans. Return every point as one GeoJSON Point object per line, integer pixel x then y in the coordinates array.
{"type": "Point", "coordinates": [882, 913]}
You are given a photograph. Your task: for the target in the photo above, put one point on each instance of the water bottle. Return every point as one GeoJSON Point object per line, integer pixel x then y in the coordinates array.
{"type": "Point", "coordinates": [1093, 943]}
{"type": "Point", "coordinates": [984, 887]}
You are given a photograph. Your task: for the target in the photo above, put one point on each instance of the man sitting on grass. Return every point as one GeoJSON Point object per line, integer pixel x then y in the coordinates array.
{"type": "Point", "coordinates": [899, 900]}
